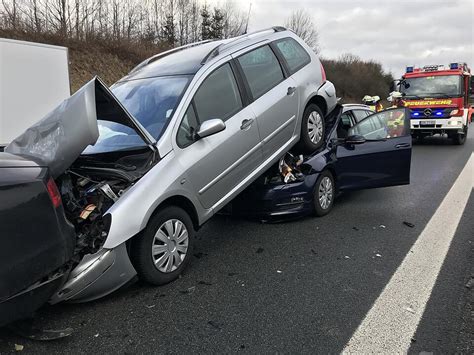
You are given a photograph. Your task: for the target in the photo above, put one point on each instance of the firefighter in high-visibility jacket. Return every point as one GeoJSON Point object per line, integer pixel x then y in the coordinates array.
{"type": "Point", "coordinates": [373, 102]}
{"type": "Point", "coordinates": [396, 119]}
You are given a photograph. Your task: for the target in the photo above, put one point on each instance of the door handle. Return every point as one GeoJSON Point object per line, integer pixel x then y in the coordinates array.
{"type": "Point", "coordinates": [246, 124]}
{"type": "Point", "coordinates": [402, 145]}
{"type": "Point", "coordinates": [291, 90]}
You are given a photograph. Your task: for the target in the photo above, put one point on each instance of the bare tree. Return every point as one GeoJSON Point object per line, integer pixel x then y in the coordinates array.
{"type": "Point", "coordinates": [302, 23]}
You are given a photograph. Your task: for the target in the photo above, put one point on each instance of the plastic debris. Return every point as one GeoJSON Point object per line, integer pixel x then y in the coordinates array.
{"type": "Point", "coordinates": [205, 283]}
{"type": "Point", "coordinates": [96, 335]}
{"type": "Point", "coordinates": [214, 324]}
{"type": "Point", "coordinates": [378, 255]}
{"type": "Point", "coordinates": [19, 347]}
{"type": "Point", "coordinates": [382, 226]}
{"type": "Point", "coordinates": [189, 290]}
{"type": "Point", "coordinates": [150, 306]}
{"type": "Point", "coordinates": [470, 283]}
{"type": "Point", "coordinates": [409, 309]}
{"type": "Point", "coordinates": [408, 224]}
{"type": "Point", "coordinates": [289, 168]}
{"type": "Point", "coordinates": [355, 228]}
{"type": "Point", "coordinates": [279, 271]}
{"type": "Point", "coordinates": [346, 257]}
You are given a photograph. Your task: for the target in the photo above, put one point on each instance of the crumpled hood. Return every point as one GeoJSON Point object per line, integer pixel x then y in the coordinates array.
{"type": "Point", "coordinates": [61, 136]}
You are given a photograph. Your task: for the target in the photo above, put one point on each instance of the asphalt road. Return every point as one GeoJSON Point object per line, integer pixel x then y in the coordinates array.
{"type": "Point", "coordinates": [298, 287]}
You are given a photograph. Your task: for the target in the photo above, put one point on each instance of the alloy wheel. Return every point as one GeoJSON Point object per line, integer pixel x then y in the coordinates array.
{"type": "Point", "coordinates": [315, 127]}
{"type": "Point", "coordinates": [170, 245]}
{"type": "Point", "coordinates": [325, 194]}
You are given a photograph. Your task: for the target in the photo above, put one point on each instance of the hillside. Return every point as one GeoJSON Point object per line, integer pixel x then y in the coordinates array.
{"type": "Point", "coordinates": [111, 60]}
{"type": "Point", "coordinates": [107, 59]}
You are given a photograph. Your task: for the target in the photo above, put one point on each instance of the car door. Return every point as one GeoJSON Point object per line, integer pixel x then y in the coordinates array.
{"type": "Point", "coordinates": [218, 163]}
{"type": "Point", "coordinates": [383, 159]}
{"type": "Point", "coordinates": [274, 96]}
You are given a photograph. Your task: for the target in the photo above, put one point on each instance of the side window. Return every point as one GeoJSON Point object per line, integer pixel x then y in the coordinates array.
{"type": "Point", "coordinates": [382, 125]}
{"type": "Point", "coordinates": [294, 54]}
{"type": "Point", "coordinates": [187, 128]}
{"type": "Point", "coordinates": [261, 69]}
{"type": "Point", "coordinates": [218, 96]}
{"type": "Point", "coordinates": [359, 115]}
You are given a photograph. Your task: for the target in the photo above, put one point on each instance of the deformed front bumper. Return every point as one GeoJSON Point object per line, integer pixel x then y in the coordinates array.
{"type": "Point", "coordinates": [97, 275]}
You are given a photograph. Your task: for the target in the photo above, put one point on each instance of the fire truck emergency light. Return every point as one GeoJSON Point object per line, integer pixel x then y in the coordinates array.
{"type": "Point", "coordinates": [409, 69]}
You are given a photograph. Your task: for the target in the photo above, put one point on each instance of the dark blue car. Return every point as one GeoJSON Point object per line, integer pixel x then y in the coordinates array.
{"type": "Point", "coordinates": [362, 150]}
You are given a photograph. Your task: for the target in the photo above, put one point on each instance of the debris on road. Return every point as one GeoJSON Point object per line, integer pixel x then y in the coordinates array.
{"type": "Point", "coordinates": [259, 250]}
{"type": "Point", "coordinates": [96, 335]}
{"type": "Point", "coordinates": [409, 309]}
{"type": "Point", "coordinates": [470, 283]}
{"type": "Point", "coordinates": [232, 273]}
{"type": "Point", "coordinates": [205, 283]}
{"type": "Point", "coordinates": [378, 255]}
{"type": "Point", "coordinates": [346, 257]}
{"type": "Point", "coordinates": [382, 226]}
{"type": "Point", "coordinates": [279, 271]}
{"type": "Point", "coordinates": [314, 252]}
{"type": "Point", "coordinates": [150, 306]}
{"type": "Point", "coordinates": [214, 324]}
{"type": "Point", "coordinates": [188, 291]}
{"type": "Point", "coordinates": [19, 347]}
{"type": "Point", "coordinates": [408, 224]}
{"type": "Point", "coordinates": [355, 228]}
{"type": "Point", "coordinates": [26, 329]}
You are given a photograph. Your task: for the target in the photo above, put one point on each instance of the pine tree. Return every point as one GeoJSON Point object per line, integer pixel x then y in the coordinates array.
{"type": "Point", "coordinates": [217, 24]}
{"type": "Point", "coordinates": [206, 23]}
{"type": "Point", "coordinates": [169, 33]}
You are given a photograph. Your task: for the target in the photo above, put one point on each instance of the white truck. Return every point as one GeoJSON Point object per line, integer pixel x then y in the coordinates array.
{"type": "Point", "coordinates": [34, 79]}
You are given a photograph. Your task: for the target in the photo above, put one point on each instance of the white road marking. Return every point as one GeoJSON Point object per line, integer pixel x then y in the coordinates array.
{"type": "Point", "coordinates": [392, 321]}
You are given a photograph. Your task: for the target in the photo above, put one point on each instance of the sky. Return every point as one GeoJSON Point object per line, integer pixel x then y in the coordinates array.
{"type": "Point", "coordinates": [395, 33]}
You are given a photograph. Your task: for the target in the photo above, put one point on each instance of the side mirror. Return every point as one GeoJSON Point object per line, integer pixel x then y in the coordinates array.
{"type": "Point", "coordinates": [355, 139]}
{"type": "Point", "coordinates": [210, 127]}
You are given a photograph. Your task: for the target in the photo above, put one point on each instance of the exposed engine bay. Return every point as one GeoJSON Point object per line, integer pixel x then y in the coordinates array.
{"type": "Point", "coordinates": [90, 187]}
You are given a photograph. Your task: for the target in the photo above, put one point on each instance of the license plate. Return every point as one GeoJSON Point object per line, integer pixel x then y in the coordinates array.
{"type": "Point", "coordinates": [427, 123]}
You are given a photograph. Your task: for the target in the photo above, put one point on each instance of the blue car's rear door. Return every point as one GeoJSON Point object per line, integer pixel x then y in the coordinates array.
{"type": "Point", "coordinates": [384, 159]}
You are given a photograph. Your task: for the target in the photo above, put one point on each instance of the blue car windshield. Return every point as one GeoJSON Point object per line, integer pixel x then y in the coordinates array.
{"type": "Point", "coordinates": [152, 101]}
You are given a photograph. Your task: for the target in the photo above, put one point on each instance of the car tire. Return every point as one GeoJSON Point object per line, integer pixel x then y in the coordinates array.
{"type": "Point", "coordinates": [324, 194]}
{"type": "Point", "coordinates": [460, 139]}
{"type": "Point", "coordinates": [312, 129]}
{"type": "Point", "coordinates": [163, 250]}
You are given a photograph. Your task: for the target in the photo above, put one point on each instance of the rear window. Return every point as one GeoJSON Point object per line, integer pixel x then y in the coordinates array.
{"type": "Point", "coordinates": [295, 55]}
{"type": "Point", "coordinates": [261, 69]}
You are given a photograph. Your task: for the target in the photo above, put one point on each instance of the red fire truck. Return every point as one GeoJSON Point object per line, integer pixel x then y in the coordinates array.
{"type": "Point", "coordinates": [439, 99]}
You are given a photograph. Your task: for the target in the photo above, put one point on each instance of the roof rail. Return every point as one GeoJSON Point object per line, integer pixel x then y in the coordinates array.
{"type": "Point", "coordinates": [170, 51]}
{"type": "Point", "coordinates": [236, 40]}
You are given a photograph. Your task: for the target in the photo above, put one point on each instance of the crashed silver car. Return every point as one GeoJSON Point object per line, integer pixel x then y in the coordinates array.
{"type": "Point", "coordinates": [141, 166]}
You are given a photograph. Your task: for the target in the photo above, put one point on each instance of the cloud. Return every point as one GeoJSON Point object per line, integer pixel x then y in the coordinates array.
{"type": "Point", "coordinates": [395, 33]}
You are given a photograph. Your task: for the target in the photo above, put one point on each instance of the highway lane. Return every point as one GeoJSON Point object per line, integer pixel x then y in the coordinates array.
{"type": "Point", "coordinates": [301, 286]}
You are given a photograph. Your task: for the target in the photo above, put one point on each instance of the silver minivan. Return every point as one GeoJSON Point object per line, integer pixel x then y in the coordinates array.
{"type": "Point", "coordinates": [141, 166]}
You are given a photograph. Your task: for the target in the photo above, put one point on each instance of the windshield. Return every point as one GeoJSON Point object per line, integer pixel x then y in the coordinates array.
{"type": "Point", "coordinates": [152, 101]}
{"type": "Point", "coordinates": [433, 86]}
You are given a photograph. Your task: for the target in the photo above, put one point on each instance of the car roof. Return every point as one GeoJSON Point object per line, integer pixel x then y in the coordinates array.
{"type": "Point", "coordinates": [348, 107]}
{"type": "Point", "coordinates": [185, 61]}
{"type": "Point", "coordinates": [188, 59]}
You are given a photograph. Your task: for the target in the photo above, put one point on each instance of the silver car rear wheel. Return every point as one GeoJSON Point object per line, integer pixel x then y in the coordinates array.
{"type": "Point", "coordinates": [315, 127]}
{"type": "Point", "coordinates": [170, 245]}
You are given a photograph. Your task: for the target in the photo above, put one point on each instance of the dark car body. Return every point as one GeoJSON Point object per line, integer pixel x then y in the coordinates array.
{"type": "Point", "coordinates": [36, 240]}
{"type": "Point", "coordinates": [372, 164]}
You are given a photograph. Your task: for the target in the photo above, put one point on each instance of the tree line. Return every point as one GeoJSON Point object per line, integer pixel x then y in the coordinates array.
{"type": "Point", "coordinates": [171, 22]}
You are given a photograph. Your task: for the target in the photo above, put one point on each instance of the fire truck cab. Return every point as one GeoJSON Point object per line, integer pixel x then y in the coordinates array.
{"type": "Point", "coordinates": [439, 99]}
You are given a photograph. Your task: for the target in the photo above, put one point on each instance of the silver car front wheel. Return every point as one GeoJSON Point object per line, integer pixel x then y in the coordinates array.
{"type": "Point", "coordinates": [170, 245]}
{"type": "Point", "coordinates": [161, 252]}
